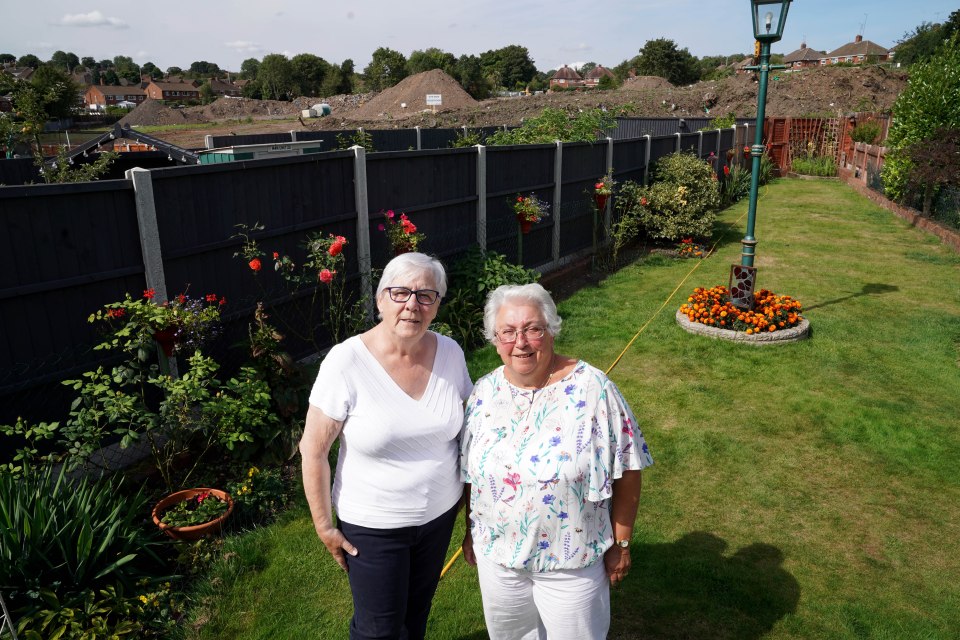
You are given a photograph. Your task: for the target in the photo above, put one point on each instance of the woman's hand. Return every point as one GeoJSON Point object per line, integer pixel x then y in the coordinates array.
{"type": "Point", "coordinates": [617, 563]}
{"type": "Point", "coordinates": [467, 547]}
{"type": "Point", "coordinates": [336, 544]}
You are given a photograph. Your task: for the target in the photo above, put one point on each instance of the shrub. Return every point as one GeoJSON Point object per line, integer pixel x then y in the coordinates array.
{"type": "Point", "coordinates": [681, 202]}
{"type": "Point", "coordinates": [735, 185]}
{"type": "Point", "coordinates": [70, 536]}
{"type": "Point", "coordinates": [822, 166]}
{"type": "Point", "coordinates": [556, 124]}
{"type": "Point", "coordinates": [866, 132]}
{"type": "Point", "coordinates": [475, 275]}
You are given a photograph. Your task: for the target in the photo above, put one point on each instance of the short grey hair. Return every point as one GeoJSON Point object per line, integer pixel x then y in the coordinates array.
{"type": "Point", "coordinates": [409, 266]}
{"type": "Point", "coordinates": [520, 293]}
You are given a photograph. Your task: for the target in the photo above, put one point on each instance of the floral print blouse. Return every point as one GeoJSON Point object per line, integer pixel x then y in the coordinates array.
{"type": "Point", "coordinates": [541, 465]}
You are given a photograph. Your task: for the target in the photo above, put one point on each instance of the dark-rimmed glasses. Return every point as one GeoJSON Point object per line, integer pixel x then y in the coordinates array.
{"type": "Point", "coordinates": [509, 335]}
{"type": "Point", "coordinates": [425, 297]}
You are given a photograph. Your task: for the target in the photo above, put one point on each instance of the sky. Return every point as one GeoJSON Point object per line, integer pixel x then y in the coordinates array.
{"type": "Point", "coordinates": [178, 33]}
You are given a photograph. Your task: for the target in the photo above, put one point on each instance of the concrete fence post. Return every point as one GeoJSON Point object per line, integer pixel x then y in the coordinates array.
{"type": "Point", "coordinates": [482, 196]}
{"type": "Point", "coordinates": [646, 161]}
{"type": "Point", "coordinates": [363, 225]}
{"type": "Point", "coordinates": [557, 200]}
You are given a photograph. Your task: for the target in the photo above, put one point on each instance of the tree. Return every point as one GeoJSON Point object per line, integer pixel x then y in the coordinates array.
{"type": "Point", "coordinates": [126, 68]}
{"type": "Point", "coordinates": [432, 58]}
{"type": "Point", "coordinates": [469, 74]}
{"type": "Point", "coordinates": [928, 103]}
{"type": "Point", "coordinates": [509, 67]}
{"type": "Point", "coordinates": [555, 124]}
{"type": "Point", "coordinates": [56, 90]}
{"type": "Point", "coordinates": [308, 73]}
{"type": "Point", "coordinates": [29, 60]}
{"type": "Point", "coordinates": [64, 61]}
{"type": "Point", "coordinates": [174, 71]}
{"type": "Point", "coordinates": [89, 63]}
{"type": "Point", "coordinates": [387, 67]}
{"type": "Point", "coordinates": [152, 70]}
{"type": "Point", "coordinates": [204, 69]}
{"type": "Point", "coordinates": [934, 164]}
{"type": "Point", "coordinates": [347, 79]}
{"type": "Point", "coordinates": [661, 57]}
{"type": "Point", "coordinates": [586, 68]}
{"type": "Point", "coordinates": [248, 68]}
{"type": "Point", "coordinates": [206, 93]}
{"type": "Point", "coordinates": [919, 45]}
{"type": "Point", "coordinates": [7, 58]}
{"type": "Point", "coordinates": [110, 77]}
{"type": "Point", "coordinates": [275, 76]}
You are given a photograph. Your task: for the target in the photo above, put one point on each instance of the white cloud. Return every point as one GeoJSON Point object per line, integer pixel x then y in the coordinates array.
{"type": "Point", "coordinates": [244, 46]}
{"type": "Point", "coordinates": [92, 19]}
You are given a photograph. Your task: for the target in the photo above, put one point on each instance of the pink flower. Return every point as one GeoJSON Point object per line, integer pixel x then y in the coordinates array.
{"type": "Point", "coordinates": [512, 479]}
{"type": "Point", "coordinates": [380, 227]}
{"type": "Point", "coordinates": [326, 276]}
{"type": "Point", "coordinates": [389, 214]}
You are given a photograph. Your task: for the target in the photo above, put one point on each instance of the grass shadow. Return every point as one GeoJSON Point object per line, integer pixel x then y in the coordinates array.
{"type": "Point", "coordinates": [869, 289]}
{"type": "Point", "coordinates": [690, 589]}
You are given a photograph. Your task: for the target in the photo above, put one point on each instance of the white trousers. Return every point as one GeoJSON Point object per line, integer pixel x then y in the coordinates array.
{"type": "Point", "coordinates": [556, 605]}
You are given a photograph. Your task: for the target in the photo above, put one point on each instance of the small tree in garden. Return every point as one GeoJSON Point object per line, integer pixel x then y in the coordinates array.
{"type": "Point", "coordinates": [934, 163]}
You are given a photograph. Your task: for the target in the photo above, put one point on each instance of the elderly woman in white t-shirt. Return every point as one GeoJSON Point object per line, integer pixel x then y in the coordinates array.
{"type": "Point", "coordinates": [394, 397]}
{"type": "Point", "coordinates": [552, 454]}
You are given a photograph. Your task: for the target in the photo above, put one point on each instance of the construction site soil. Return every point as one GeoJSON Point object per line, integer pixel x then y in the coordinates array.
{"type": "Point", "coordinates": [821, 92]}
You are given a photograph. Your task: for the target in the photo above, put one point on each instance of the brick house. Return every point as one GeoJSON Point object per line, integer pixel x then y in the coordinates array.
{"type": "Point", "coordinates": [172, 91]}
{"type": "Point", "coordinates": [221, 88]}
{"type": "Point", "coordinates": [593, 76]}
{"type": "Point", "coordinates": [803, 57]}
{"type": "Point", "coordinates": [565, 77]}
{"type": "Point", "coordinates": [859, 51]}
{"type": "Point", "coordinates": [98, 96]}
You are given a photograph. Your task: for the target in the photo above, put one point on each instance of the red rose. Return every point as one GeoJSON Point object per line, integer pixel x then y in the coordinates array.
{"type": "Point", "coordinates": [326, 276]}
{"type": "Point", "coordinates": [276, 255]}
{"type": "Point", "coordinates": [181, 298]}
{"type": "Point", "coordinates": [726, 170]}
{"type": "Point", "coordinates": [255, 264]}
{"type": "Point", "coordinates": [149, 294]}
{"type": "Point", "coordinates": [335, 249]}
{"type": "Point", "coordinates": [643, 202]}
{"type": "Point", "coordinates": [223, 301]}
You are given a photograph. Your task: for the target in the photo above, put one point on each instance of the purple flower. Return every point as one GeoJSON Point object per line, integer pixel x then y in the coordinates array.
{"type": "Point", "coordinates": [581, 404]}
{"type": "Point", "coordinates": [544, 544]}
{"type": "Point", "coordinates": [563, 515]}
{"type": "Point", "coordinates": [569, 389]}
{"type": "Point", "coordinates": [549, 498]}
{"type": "Point", "coordinates": [534, 458]}
{"type": "Point", "coordinates": [554, 441]}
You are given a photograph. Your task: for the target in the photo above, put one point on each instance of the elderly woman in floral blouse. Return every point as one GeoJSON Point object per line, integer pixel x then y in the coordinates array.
{"type": "Point", "coordinates": [551, 455]}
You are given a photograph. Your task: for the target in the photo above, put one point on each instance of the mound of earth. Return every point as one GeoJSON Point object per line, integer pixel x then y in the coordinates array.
{"type": "Point", "coordinates": [410, 96]}
{"type": "Point", "coordinates": [645, 83]}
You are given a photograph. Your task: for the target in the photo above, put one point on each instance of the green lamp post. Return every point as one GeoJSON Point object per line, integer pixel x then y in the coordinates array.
{"type": "Point", "coordinates": [769, 18]}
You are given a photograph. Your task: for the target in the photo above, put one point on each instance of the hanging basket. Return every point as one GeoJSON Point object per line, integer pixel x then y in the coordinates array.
{"type": "Point", "coordinates": [197, 531]}
{"type": "Point", "coordinates": [525, 226]}
{"type": "Point", "coordinates": [601, 200]}
{"type": "Point", "coordinates": [167, 339]}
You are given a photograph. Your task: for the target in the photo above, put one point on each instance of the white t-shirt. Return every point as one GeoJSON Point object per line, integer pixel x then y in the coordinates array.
{"type": "Point", "coordinates": [398, 459]}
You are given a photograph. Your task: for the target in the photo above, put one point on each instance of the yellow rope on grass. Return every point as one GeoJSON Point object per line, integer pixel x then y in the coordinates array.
{"type": "Point", "coordinates": [626, 348]}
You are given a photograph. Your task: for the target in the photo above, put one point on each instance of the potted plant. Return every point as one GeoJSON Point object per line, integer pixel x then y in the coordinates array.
{"type": "Point", "coordinates": [401, 233]}
{"type": "Point", "coordinates": [602, 190]}
{"type": "Point", "coordinates": [529, 210]}
{"type": "Point", "coordinates": [192, 513]}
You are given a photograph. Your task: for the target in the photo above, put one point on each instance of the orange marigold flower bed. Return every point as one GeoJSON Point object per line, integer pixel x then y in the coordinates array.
{"type": "Point", "coordinates": [770, 312]}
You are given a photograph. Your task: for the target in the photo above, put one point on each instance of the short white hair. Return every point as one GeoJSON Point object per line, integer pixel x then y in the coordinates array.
{"type": "Point", "coordinates": [407, 267]}
{"type": "Point", "coordinates": [523, 293]}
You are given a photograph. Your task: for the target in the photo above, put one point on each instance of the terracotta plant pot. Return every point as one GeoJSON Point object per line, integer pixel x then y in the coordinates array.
{"type": "Point", "coordinates": [601, 199]}
{"type": "Point", "coordinates": [525, 226]}
{"type": "Point", "coordinates": [166, 338]}
{"type": "Point", "coordinates": [193, 532]}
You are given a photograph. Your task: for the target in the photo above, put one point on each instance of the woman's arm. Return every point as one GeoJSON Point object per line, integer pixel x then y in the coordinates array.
{"type": "Point", "coordinates": [623, 513]}
{"type": "Point", "coordinates": [318, 435]}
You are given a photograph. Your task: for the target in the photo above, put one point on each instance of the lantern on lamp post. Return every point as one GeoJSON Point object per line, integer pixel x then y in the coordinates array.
{"type": "Point", "coordinates": [769, 18]}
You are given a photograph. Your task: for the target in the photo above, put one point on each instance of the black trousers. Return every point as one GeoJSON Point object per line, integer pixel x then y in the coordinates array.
{"type": "Point", "coordinates": [394, 575]}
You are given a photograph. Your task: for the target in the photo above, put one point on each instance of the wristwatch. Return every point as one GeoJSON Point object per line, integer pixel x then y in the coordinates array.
{"type": "Point", "coordinates": [623, 544]}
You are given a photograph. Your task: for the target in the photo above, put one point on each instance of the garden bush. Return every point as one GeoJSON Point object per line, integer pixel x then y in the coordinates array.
{"type": "Point", "coordinates": [680, 203]}
{"type": "Point", "coordinates": [866, 132]}
{"type": "Point", "coordinates": [815, 166]}
{"type": "Point", "coordinates": [473, 277]}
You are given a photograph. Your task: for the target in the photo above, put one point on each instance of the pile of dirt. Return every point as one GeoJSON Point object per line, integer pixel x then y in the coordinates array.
{"type": "Point", "coordinates": [151, 113]}
{"type": "Point", "coordinates": [409, 97]}
{"type": "Point", "coordinates": [645, 83]}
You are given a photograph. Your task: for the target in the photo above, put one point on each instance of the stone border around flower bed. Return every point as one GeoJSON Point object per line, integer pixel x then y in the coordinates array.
{"type": "Point", "coordinates": [793, 334]}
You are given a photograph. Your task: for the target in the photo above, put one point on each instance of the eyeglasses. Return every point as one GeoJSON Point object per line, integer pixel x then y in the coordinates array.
{"type": "Point", "coordinates": [509, 335]}
{"type": "Point", "coordinates": [402, 294]}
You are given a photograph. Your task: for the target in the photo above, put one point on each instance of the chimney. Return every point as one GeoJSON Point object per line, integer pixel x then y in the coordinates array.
{"type": "Point", "coordinates": [803, 45]}
{"type": "Point", "coordinates": [859, 38]}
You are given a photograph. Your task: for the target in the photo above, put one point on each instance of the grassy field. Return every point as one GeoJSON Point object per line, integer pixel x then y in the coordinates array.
{"type": "Point", "coordinates": [804, 490]}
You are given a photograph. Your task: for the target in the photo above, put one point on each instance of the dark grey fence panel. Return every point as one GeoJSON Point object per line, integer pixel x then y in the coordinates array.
{"type": "Point", "coordinates": [660, 147]}
{"type": "Point", "coordinates": [438, 138]}
{"type": "Point", "coordinates": [629, 159]}
{"type": "Point", "coordinates": [17, 171]}
{"type": "Point", "coordinates": [513, 170]}
{"type": "Point", "coordinates": [690, 142]}
{"type": "Point", "coordinates": [394, 139]}
{"type": "Point", "coordinates": [710, 139]}
{"type": "Point", "coordinates": [68, 250]}
{"type": "Point", "coordinates": [583, 165]}
{"type": "Point", "coordinates": [437, 189]}
{"type": "Point", "coordinates": [198, 210]}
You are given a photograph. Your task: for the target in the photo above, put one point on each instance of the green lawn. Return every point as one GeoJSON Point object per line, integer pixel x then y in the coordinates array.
{"type": "Point", "coordinates": [804, 490]}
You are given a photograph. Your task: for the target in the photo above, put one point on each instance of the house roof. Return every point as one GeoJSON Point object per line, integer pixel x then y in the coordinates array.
{"type": "Point", "coordinates": [219, 85]}
{"type": "Point", "coordinates": [858, 48]}
{"type": "Point", "coordinates": [566, 73]}
{"type": "Point", "coordinates": [174, 86]}
{"type": "Point", "coordinates": [803, 54]}
{"type": "Point", "coordinates": [599, 71]}
{"type": "Point", "coordinates": [111, 90]}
